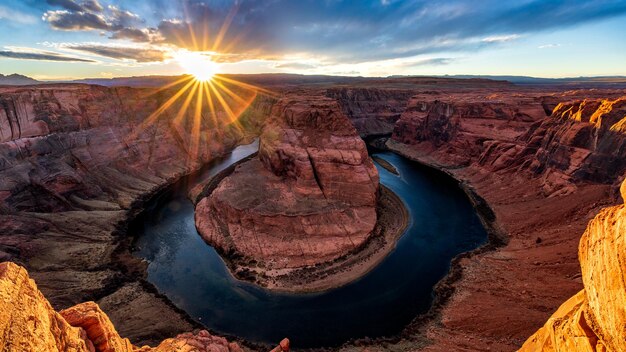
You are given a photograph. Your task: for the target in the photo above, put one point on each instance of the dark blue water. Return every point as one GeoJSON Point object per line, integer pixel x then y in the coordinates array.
{"type": "Point", "coordinates": [194, 277]}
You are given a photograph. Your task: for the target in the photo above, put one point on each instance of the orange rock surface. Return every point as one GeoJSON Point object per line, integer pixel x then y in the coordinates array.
{"type": "Point", "coordinates": [594, 319]}
{"type": "Point", "coordinates": [308, 198]}
{"type": "Point", "coordinates": [28, 323]}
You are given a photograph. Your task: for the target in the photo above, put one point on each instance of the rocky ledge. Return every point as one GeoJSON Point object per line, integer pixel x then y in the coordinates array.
{"type": "Point", "coordinates": [308, 199]}
{"type": "Point", "coordinates": [594, 319]}
{"type": "Point", "coordinates": [29, 323]}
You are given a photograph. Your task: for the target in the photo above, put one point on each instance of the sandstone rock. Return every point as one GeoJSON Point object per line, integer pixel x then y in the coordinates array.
{"type": "Point", "coordinates": [594, 319]}
{"type": "Point", "coordinates": [100, 330]}
{"type": "Point", "coordinates": [27, 320]}
{"type": "Point", "coordinates": [372, 111]}
{"type": "Point", "coordinates": [309, 197]}
{"type": "Point", "coordinates": [29, 323]}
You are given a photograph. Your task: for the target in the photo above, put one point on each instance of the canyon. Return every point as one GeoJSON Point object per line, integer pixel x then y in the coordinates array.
{"type": "Point", "coordinates": [309, 198]}
{"type": "Point", "coordinates": [537, 162]}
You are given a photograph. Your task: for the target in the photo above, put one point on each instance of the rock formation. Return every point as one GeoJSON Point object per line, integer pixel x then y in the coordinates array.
{"type": "Point", "coordinates": [29, 323]}
{"type": "Point", "coordinates": [595, 318]}
{"type": "Point", "coordinates": [372, 111]}
{"type": "Point", "coordinates": [309, 197]}
{"type": "Point", "coordinates": [76, 161]}
{"type": "Point", "coordinates": [537, 213]}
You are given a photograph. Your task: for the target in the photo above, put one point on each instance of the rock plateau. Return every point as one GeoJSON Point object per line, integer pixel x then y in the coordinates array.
{"type": "Point", "coordinates": [308, 198]}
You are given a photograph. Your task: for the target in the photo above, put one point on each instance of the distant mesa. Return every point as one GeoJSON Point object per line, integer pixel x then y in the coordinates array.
{"type": "Point", "coordinates": [16, 80]}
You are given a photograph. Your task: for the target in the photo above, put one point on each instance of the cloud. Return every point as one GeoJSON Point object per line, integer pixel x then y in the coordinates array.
{"type": "Point", "coordinates": [134, 34]}
{"type": "Point", "coordinates": [500, 38]}
{"type": "Point", "coordinates": [138, 54]}
{"type": "Point", "coordinates": [549, 46]}
{"type": "Point", "coordinates": [296, 66]}
{"type": "Point", "coordinates": [40, 55]}
{"type": "Point", "coordinates": [69, 5]}
{"type": "Point", "coordinates": [71, 21]}
{"type": "Point", "coordinates": [92, 5]}
{"type": "Point", "coordinates": [436, 61]}
{"type": "Point", "coordinates": [339, 31]}
{"type": "Point", "coordinates": [91, 15]}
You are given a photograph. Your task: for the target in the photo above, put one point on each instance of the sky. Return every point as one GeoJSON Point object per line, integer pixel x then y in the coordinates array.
{"type": "Point", "coordinates": [67, 39]}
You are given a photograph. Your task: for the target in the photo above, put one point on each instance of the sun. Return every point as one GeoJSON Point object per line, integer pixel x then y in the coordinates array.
{"type": "Point", "coordinates": [197, 64]}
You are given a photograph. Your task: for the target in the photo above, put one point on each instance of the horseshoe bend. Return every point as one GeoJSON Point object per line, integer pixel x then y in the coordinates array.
{"type": "Point", "coordinates": [312, 176]}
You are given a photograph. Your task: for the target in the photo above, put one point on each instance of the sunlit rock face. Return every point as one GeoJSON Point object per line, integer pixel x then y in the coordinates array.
{"type": "Point", "coordinates": [29, 323]}
{"type": "Point", "coordinates": [309, 197]}
{"type": "Point", "coordinates": [594, 319]}
{"type": "Point", "coordinates": [582, 141]}
{"type": "Point", "coordinates": [577, 141]}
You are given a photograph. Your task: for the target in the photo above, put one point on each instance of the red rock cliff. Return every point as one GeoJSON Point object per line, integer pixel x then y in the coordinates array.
{"type": "Point", "coordinates": [595, 318]}
{"type": "Point", "coordinates": [309, 197]}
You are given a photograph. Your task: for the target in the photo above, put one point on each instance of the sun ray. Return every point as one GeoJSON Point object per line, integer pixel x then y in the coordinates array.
{"type": "Point", "coordinates": [245, 85]}
{"type": "Point", "coordinates": [183, 109]}
{"type": "Point", "coordinates": [150, 119]}
{"type": "Point", "coordinates": [233, 118]}
{"type": "Point", "coordinates": [169, 85]}
{"type": "Point", "coordinates": [195, 129]}
{"type": "Point", "coordinates": [207, 92]}
{"type": "Point", "coordinates": [225, 25]}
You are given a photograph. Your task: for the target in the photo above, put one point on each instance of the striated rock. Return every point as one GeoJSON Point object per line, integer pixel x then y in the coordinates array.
{"type": "Point", "coordinates": [582, 141]}
{"type": "Point", "coordinates": [308, 198]}
{"type": "Point", "coordinates": [100, 331]}
{"type": "Point", "coordinates": [372, 111]}
{"type": "Point", "coordinates": [594, 319]}
{"type": "Point", "coordinates": [27, 320]}
{"type": "Point", "coordinates": [492, 156]}
{"type": "Point", "coordinates": [29, 323]}
{"type": "Point", "coordinates": [76, 161]}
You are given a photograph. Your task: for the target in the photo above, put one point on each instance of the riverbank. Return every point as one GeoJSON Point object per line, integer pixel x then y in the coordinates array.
{"type": "Point", "coordinates": [530, 236]}
{"type": "Point", "coordinates": [392, 220]}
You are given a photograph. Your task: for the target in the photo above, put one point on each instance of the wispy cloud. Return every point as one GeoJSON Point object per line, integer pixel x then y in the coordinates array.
{"type": "Point", "coordinates": [500, 38]}
{"type": "Point", "coordinates": [549, 46]}
{"type": "Point", "coordinates": [138, 54]}
{"type": "Point", "coordinates": [33, 54]}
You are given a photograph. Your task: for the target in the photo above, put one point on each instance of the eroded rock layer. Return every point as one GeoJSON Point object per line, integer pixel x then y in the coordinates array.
{"type": "Point", "coordinates": [76, 161]}
{"type": "Point", "coordinates": [595, 318]}
{"type": "Point", "coordinates": [514, 152]}
{"type": "Point", "coordinates": [29, 323]}
{"type": "Point", "coordinates": [309, 197]}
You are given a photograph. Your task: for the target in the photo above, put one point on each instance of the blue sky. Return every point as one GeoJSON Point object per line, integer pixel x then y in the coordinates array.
{"type": "Point", "coordinates": [59, 39]}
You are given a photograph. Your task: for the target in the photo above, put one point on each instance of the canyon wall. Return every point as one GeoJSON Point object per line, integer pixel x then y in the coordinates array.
{"type": "Point", "coordinates": [308, 198]}
{"type": "Point", "coordinates": [541, 170]}
{"type": "Point", "coordinates": [76, 162]}
{"type": "Point", "coordinates": [372, 111]}
{"type": "Point", "coordinates": [595, 318]}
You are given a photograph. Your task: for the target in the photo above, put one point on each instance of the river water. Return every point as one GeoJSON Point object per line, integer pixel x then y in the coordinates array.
{"type": "Point", "coordinates": [195, 278]}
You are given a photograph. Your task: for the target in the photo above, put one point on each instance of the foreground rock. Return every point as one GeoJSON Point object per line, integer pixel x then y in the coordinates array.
{"type": "Point", "coordinates": [595, 318]}
{"type": "Point", "coordinates": [29, 323]}
{"type": "Point", "coordinates": [308, 198]}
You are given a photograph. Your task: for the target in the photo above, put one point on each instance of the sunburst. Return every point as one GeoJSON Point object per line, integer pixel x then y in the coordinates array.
{"type": "Point", "coordinates": [214, 99]}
